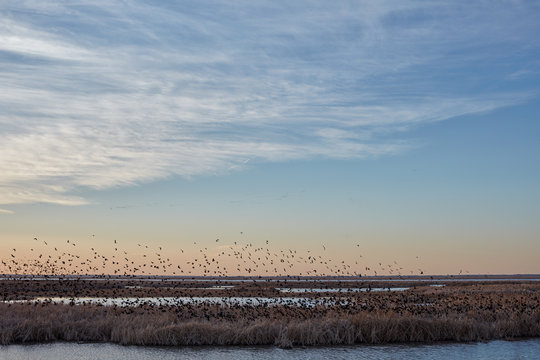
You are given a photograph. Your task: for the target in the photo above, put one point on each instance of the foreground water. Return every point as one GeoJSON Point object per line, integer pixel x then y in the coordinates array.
{"type": "Point", "coordinates": [523, 349]}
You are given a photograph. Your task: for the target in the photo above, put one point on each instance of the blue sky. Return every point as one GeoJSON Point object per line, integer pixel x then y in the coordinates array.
{"type": "Point", "coordinates": [402, 124]}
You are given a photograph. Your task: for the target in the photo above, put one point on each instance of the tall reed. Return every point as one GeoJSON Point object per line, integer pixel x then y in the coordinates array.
{"type": "Point", "coordinates": [23, 323]}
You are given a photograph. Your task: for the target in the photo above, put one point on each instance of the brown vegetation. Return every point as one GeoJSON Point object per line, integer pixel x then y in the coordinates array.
{"type": "Point", "coordinates": [426, 314]}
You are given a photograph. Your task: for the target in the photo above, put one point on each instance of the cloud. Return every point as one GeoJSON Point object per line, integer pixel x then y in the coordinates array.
{"type": "Point", "coordinates": [22, 41]}
{"type": "Point", "coordinates": [4, 211]}
{"type": "Point", "coordinates": [112, 94]}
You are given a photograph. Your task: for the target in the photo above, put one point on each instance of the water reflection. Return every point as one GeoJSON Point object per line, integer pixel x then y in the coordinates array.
{"type": "Point", "coordinates": [497, 350]}
{"type": "Point", "coordinates": [339, 290]}
{"type": "Point", "coordinates": [193, 300]}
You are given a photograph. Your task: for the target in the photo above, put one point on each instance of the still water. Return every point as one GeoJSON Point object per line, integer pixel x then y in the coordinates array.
{"type": "Point", "coordinates": [339, 290]}
{"type": "Point", "coordinates": [225, 300]}
{"type": "Point", "coordinates": [523, 349]}
{"type": "Point", "coordinates": [193, 300]}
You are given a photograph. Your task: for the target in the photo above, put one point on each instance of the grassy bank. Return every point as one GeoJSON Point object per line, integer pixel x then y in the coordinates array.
{"type": "Point", "coordinates": [466, 312]}
{"type": "Point", "coordinates": [215, 325]}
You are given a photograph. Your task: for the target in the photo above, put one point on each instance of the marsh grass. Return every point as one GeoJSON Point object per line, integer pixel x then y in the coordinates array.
{"type": "Point", "coordinates": [23, 323]}
{"type": "Point", "coordinates": [423, 314]}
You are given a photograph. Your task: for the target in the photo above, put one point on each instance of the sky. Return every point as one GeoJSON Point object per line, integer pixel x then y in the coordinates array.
{"type": "Point", "coordinates": [365, 131]}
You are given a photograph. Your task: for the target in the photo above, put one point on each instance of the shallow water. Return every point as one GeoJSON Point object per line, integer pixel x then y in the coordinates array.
{"type": "Point", "coordinates": [497, 350]}
{"type": "Point", "coordinates": [339, 290]}
{"type": "Point", "coordinates": [193, 300]}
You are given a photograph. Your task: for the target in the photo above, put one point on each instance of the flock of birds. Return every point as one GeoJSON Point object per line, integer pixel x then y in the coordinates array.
{"type": "Point", "coordinates": [235, 259]}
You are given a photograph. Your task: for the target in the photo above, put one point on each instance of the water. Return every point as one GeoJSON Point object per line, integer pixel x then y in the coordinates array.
{"type": "Point", "coordinates": [493, 350]}
{"type": "Point", "coordinates": [338, 290]}
{"type": "Point", "coordinates": [193, 300]}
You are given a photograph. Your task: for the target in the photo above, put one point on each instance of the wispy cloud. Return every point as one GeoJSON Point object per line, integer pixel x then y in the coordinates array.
{"type": "Point", "coordinates": [5, 211]}
{"type": "Point", "coordinates": [108, 94]}
{"type": "Point", "coordinates": [20, 40]}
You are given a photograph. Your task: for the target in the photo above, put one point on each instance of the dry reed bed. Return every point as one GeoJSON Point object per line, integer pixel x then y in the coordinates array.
{"type": "Point", "coordinates": [453, 313]}
{"type": "Point", "coordinates": [283, 326]}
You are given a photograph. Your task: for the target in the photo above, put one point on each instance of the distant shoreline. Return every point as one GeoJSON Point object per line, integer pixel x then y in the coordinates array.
{"type": "Point", "coordinates": [468, 277]}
